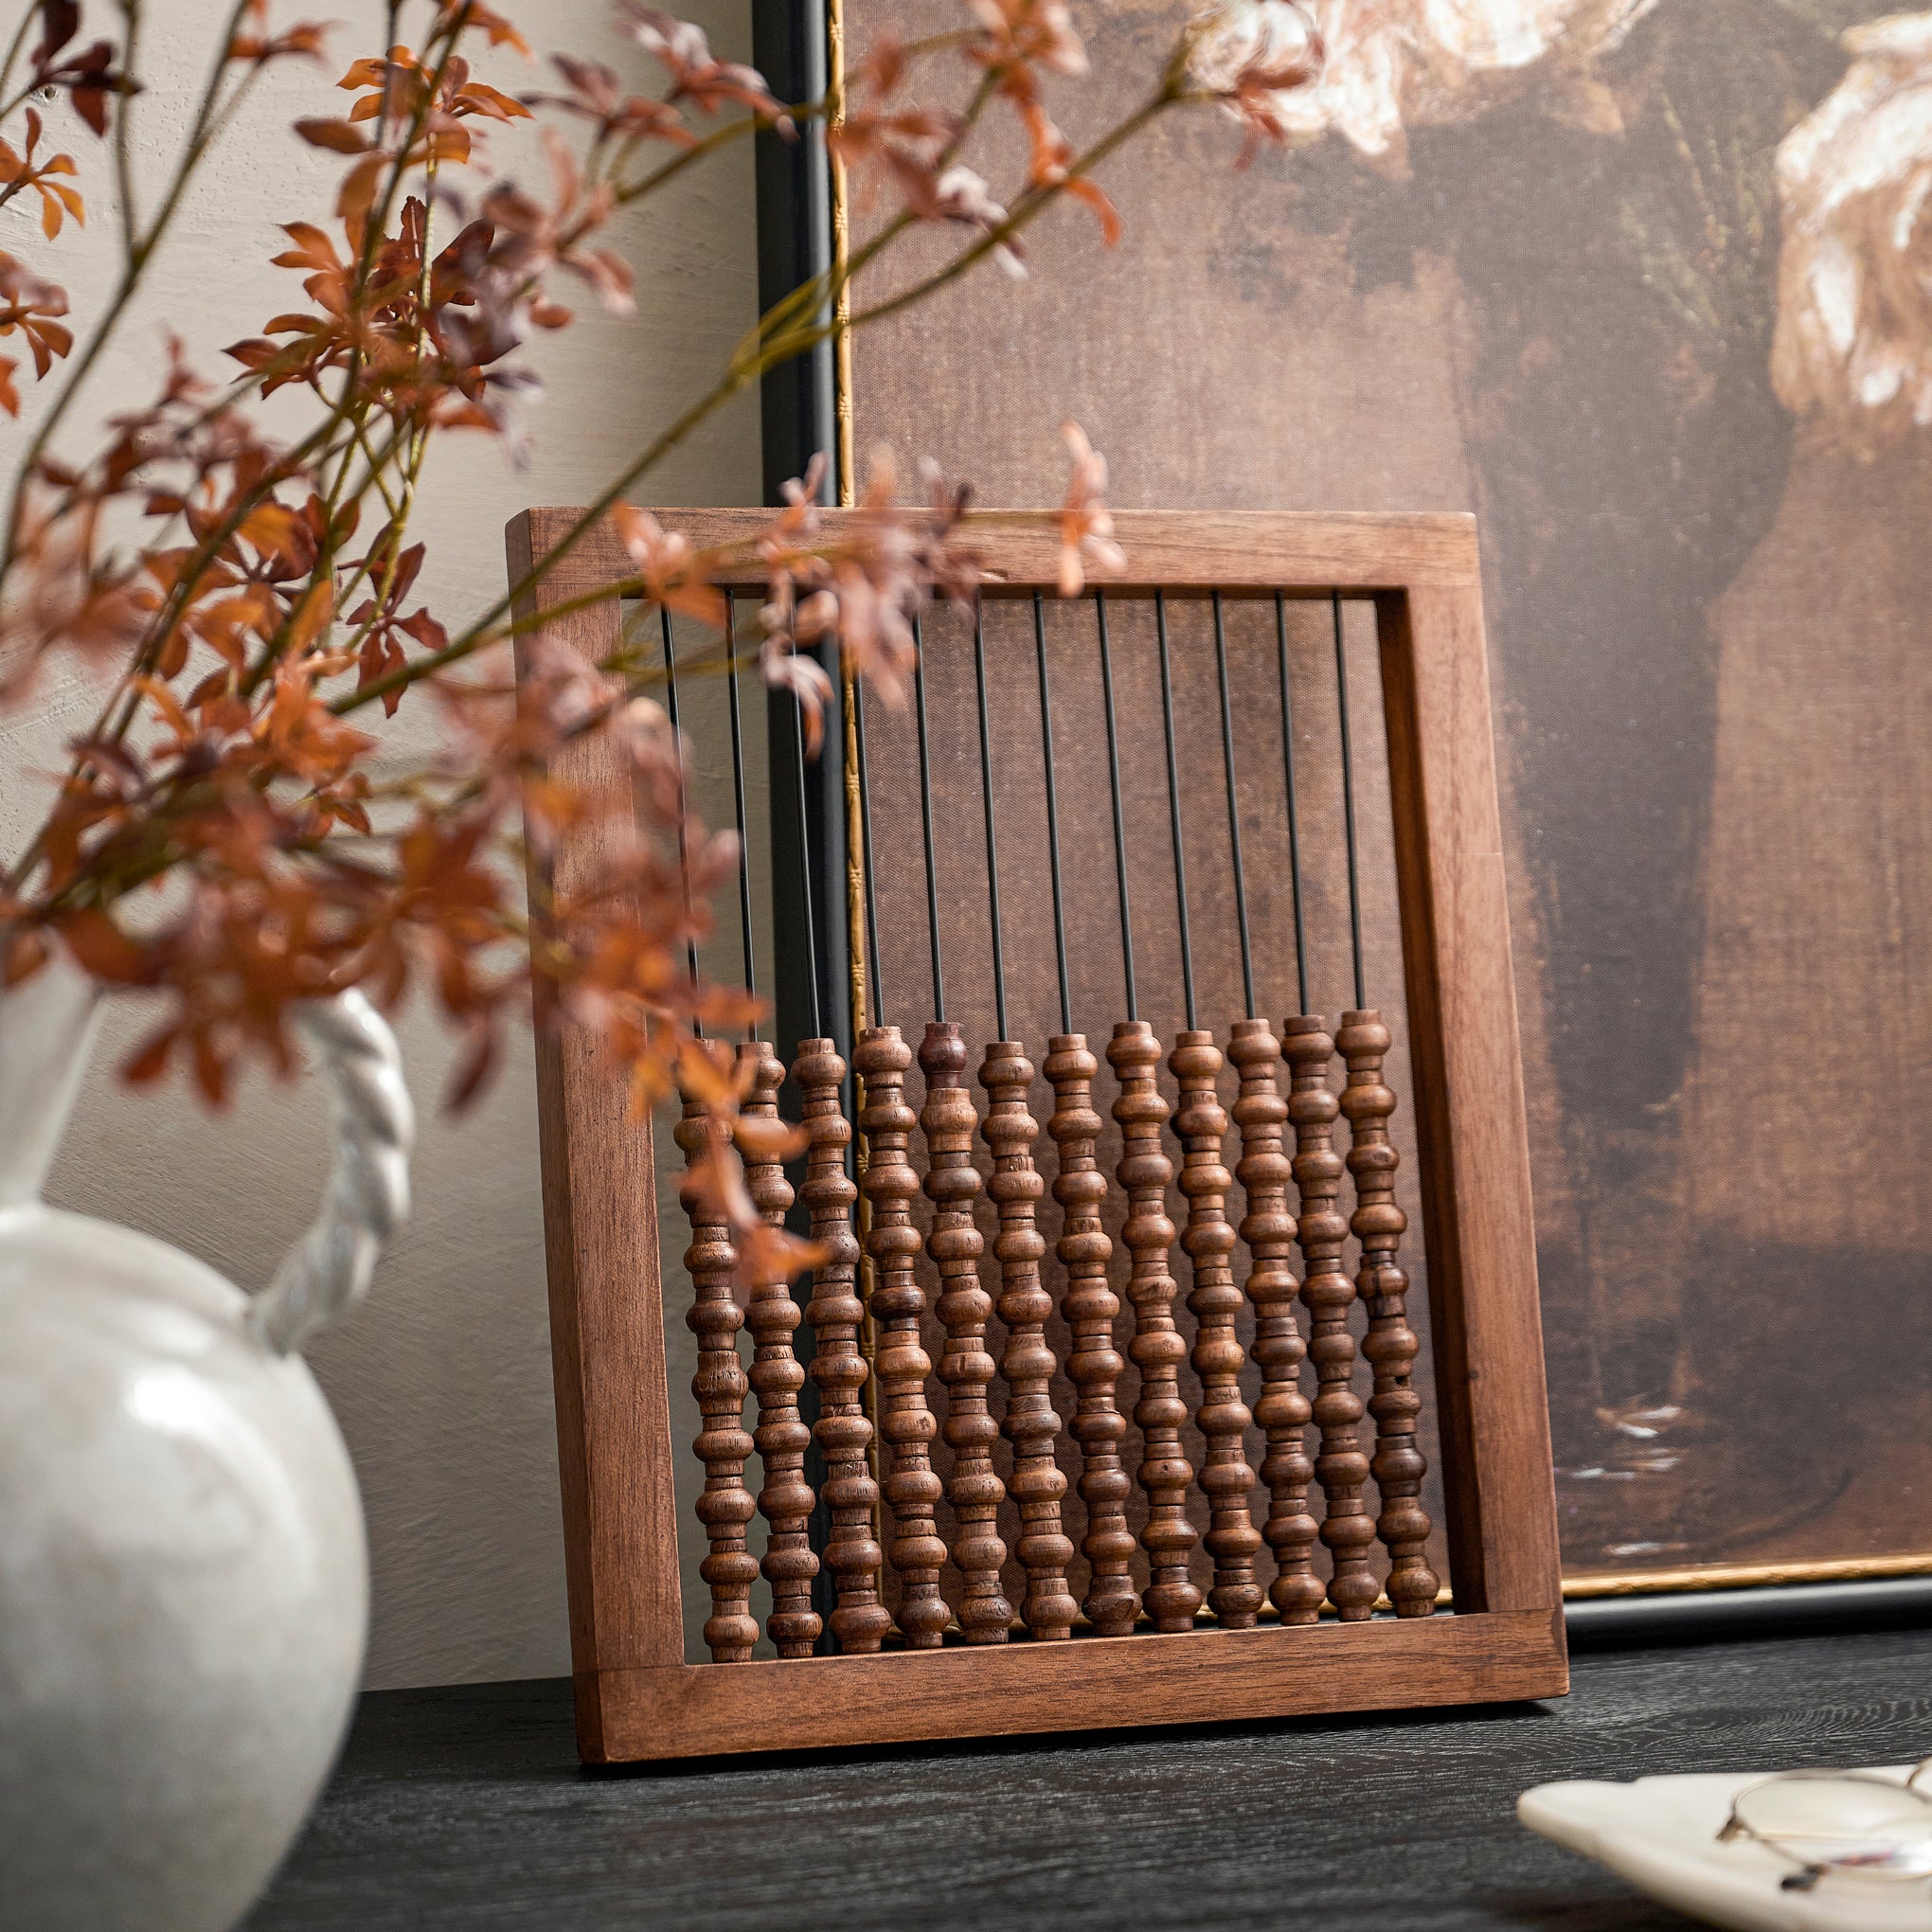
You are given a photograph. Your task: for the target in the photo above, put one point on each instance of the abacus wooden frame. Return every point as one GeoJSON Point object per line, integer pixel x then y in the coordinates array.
{"type": "Point", "coordinates": [636, 1697]}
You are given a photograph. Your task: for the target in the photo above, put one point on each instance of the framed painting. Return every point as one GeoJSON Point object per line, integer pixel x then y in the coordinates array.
{"type": "Point", "coordinates": [1625, 280]}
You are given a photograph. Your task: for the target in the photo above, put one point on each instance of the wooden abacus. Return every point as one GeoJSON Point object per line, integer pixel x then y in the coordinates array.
{"type": "Point", "coordinates": [947, 1552]}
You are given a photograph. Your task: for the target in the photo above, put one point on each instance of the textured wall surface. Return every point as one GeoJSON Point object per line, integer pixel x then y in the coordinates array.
{"type": "Point", "coordinates": [442, 1381]}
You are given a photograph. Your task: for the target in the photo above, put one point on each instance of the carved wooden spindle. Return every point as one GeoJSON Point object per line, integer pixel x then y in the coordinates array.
{"type": "Point", "coordinates": [1032, 1422]}
{"type": "Point", "coordinates": [1208, 1241]}
{"type": "Point", "coordinates": [966, 1367]}
{"type": "Point", "coordinates": [1283, 1411]}
{"type": "Point", "coordinates": [1391, 1345]}
{"type": "Point", "coordinates": [1094, 1364]}
{"type": "Point", "coordinates": [1341, 1468]}
{"type": "Point", "coordinates": [899, 1364]}
{"type": "Point", "coordinates": [843, 1431]}
{"type": "Point", "coordinates": [1157, 1348]}
{"type": "Point", "coordinates": [776, 1376]}
{"type": "Point", "coordinates": [723, 1444]}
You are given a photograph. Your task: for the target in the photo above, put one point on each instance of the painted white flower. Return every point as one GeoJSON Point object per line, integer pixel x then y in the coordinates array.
{"type": "Point", "coordinates": [960, 195]}
{"type": "Point", "coordinates": [1255, 56]}
{"type": "Point", "coordinates": [1390, 65]}
{"type": "Point", "coordinates": [1854, 281]}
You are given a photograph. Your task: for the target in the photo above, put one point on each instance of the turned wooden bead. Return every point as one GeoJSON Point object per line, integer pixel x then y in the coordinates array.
{"type": "Point", "coordinates": [725, 1508]}
{"type": "Point", "coordinates": [966, 1367]}
{"type": "Point", "coordinates": [900, 1366]}
{"type": "Point", "coordinates": [1283, 1411]}
{"type": "Point", "coordinates": [843, 1431]}
{"type": "Point", "coordinates": [1157, 1350]}
{"type": "Point", "coordinates": [1032, 1423]}
{"type": "Point", "coordinates": [786, 1500]}
{"type": "Point", "coordinates": [1391, 1345]}
{"type": "Point", "coordinates": [1327, 1292]}
{"type": "Point", "coordinates": [1094, 1364]}
{"type": "Point", "coordinates": [1223, 1418]}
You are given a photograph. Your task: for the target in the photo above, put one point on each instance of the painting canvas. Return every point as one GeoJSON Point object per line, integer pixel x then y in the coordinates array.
{"type": "Point", "coordinates": [1642, 283]}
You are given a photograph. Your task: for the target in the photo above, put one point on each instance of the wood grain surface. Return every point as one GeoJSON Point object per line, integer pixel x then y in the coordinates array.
{"type": "Point", "coordinates": [600, 1213]}
{"type": "Point", "coordinates": [1303, 553]}
{"type": "Point", "coordinates": [1507, 1638]}
{"type": "Point", "coordinates": [466, 1808]}
{"type": "Point", "coordinates": [1189, 1676]}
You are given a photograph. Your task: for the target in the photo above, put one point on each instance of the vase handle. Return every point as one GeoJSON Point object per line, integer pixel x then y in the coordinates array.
{"type": "Point", "coordinates": [325, 1273]}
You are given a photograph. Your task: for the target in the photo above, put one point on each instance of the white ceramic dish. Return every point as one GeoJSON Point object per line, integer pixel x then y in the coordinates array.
{"type": "Point", "coordinates": [1661, 1835]}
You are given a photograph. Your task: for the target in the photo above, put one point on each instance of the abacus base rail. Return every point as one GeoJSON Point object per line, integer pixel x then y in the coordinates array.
{"type": "Point", "coordinates": [633, 1716]}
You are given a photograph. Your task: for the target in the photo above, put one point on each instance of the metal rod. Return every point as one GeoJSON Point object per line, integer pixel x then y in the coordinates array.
{"type": "Point", "coordinates": [1052, 814]}
{"type": "Point", "coordinates": [925, 806]}
{"type": "Point", "coordinates": [684, 870]}
{"type": "Point", "coordinates": [1173, 784]}
{"type": "Point", "coordinates": [1000, 984]}
{"type": "Point", "coordinates": [1294, 817]}
{"type": "Point", "coordinates": [1119, 818]}
{"type": "Point", "coordinates": [805, 856]}
{"type": "Point", "coordinates": [1248, 957]}
{"type": "Point", "coordinates": [1349, 806]}
{"type": "Point", "coordinates": [737, 800]}
{"type": "Point", "coordinates": [878, 983]}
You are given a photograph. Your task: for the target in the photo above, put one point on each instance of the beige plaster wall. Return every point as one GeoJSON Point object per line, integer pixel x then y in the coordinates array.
{"type": "Point", "coordinates": [441, 1380]}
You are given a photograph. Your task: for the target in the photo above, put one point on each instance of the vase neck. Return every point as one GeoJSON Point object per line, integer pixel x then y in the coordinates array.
{"type": "Point", "coordinates": [45, 1028]}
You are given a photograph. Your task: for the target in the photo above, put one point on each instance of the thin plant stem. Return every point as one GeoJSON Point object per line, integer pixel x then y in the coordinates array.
{"type": "Point", "coordinates": [124, 132]}
{"type": "Point", "coordinates": [208, 126]}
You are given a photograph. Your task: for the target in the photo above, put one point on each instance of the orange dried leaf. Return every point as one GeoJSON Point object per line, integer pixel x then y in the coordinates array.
{"type": "Point", "coordinates": [149, 1060]}
{"type": "Point", "coordinates": [311, 616]}
{"type": "Point", "coordinates": [336, 135]}
{"type": "Point", "coordinates": [768, 1139]}
{"type": "Point", "coordinates": [100, 946]}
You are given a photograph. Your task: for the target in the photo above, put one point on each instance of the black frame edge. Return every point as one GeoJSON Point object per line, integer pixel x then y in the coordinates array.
{"type": "Point", "coordinates": [1600, 1623]}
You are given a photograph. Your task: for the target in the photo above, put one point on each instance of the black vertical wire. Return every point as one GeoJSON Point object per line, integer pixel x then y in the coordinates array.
{"type": "Point", "coordinates": [684, 871]}
{"type": "Point", "coordinates": [1248, 957]}
{"type": "Point", "coordinates": [806, 1339]}
{"type": "Point", "coordinates": [805, 1342]}
{"type": "Point", "coordinates": [925, 806]}
{"type": "Point", "coordinates": [999, 985]}
{"type": "Point", "coordinates": [1348, 806]}
{"type": "Point", "coordinates": [1293, 817]}
{"type": "Point", "coordinates": [738, 801]}
{"type": "Point", "coordinates": [1173, 783]}
{"type": "Point", "coordinates": [805, 856]}
{"type": "Point", "coordinates": [878, 983]}
{"type": "Point", "coordinates": [1052, 812]}
{"type": "Point", "coordinates": [1119, 822]}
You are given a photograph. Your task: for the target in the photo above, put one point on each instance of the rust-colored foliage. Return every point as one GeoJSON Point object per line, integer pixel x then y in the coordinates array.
{"type": "Point", "coordinates": [221, 837]}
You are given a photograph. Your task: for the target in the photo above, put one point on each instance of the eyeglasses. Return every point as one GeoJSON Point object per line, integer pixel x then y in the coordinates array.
{"type": "Point", "coordinates": [1849, 1822]}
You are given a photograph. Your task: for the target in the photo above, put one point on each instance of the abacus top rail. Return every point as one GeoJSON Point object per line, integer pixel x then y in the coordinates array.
{"type": "Point", "coordinates": [1304, 556]}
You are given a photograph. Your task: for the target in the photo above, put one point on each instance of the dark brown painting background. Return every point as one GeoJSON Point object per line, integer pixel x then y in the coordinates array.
{"type": "Point", "coordinates": [1707, 634]}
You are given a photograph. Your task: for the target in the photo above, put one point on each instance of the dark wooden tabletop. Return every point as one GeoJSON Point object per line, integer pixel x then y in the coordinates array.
{"type": "Point", "coordinates": [466, 1808]}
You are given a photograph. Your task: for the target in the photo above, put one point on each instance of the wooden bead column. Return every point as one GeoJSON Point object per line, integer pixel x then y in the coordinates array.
{"type": "Point", "coordinates": [1341, 1468]}
{"type": "Point", "coordinates": [725, 1508]}
{"type": "Point", "coordinates": [1208, 1239]}
{"type": "Point", "coordinates": [1093, 1365]}
{"type": "Point", "coordinates": [900, 1365]}
{"type": "Point", "coordinates": [843, 1431]}
{"type": "Point", "coordinates": [1032, 1423]}
{"type": "Point", "coordinates": [776, 1376]}
{"type": "Point", "coordinates": [1157, 1348]}
{"type": "Point", "coordinates": [1283, 1411]}
{"type": "Point", "coordinates": [1390, 1344]}
{"type": "Point", "coordinates": [966, 1369]}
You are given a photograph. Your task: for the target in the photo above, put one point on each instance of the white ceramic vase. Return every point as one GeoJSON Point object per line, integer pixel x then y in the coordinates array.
{"type": "Point", "coordinates": [183, 1579]}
